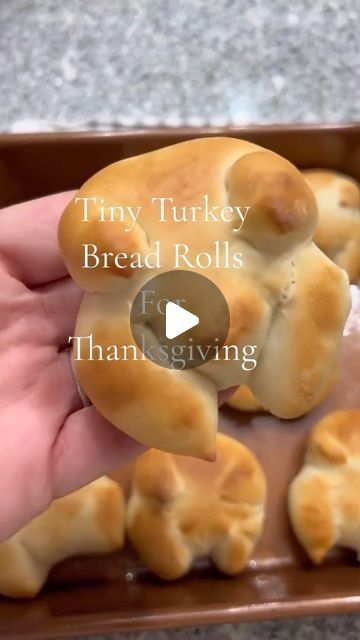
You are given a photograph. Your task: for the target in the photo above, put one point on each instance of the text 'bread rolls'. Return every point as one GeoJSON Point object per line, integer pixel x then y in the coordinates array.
{"type": "Point", "coordinates": [338, 230]}
{"type": "Point", "coordinates": [324, 499]}
{"type": "Point", "coordinates": [88, 521]}
{"type": "Point", "coordinates": [182, 508]}
{"type": "Point", "coordinates": [287, 298]}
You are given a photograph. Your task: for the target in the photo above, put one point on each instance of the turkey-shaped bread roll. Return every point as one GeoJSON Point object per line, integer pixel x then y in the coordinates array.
{"type": "Point", "coordinates": [288, 299]}
{"type": "Point", "coordinates": [182, 508]}
{"type": "Point", "coordinates": [338, 230]}
{"type": "Point", "coordinates": [88, 521]}
{"type": "Point", "coordinates": [324, 499]}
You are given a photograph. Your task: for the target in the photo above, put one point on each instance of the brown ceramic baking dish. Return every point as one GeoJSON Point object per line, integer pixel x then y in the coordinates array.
{"type": "Point", "coordinates": [100, 595]}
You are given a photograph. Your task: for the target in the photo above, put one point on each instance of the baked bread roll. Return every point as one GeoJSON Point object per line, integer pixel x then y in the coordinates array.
{"type": "Point", "coordinates": [288, 299]}
{"type": "Point", "coordinates": [324, 499]}
{"type": "Point", "coordinates": [244, 400]}
{"type": "Point", "coordinates": [338, 230]}
{"type": "Point", "coordinates": [87, 521]}
{"type": "Point", "coordinates": [181, 509]}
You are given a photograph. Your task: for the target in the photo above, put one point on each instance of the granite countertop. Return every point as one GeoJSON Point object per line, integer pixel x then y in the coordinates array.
{"type": "Point", "coordinates": [93, 64]}
{"type": "Point", "coordinates": [346, 627]}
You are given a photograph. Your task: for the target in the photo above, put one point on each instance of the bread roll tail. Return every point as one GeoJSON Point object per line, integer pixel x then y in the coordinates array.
{"type": "Point", "coordinates": [311, 514]}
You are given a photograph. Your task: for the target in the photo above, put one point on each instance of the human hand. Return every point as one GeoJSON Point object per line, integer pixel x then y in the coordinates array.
{"type": "Point", "coordinates": [50, 444]}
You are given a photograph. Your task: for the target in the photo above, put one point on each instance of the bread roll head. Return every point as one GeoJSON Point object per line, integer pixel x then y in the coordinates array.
{"type": "Point", "coordinates": [181, 509]}
{"type": "Point", "coordinates": [87, 521]}
{"type": "Point", "coordinates": [288, 299]}
{"type": "Point", "coordinates": [324, 499]}
{"type": "Point", "coordinates": [338, 230]}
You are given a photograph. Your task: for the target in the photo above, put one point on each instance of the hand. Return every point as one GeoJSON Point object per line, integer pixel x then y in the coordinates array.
{"type": "Point", "coordinates": [49, 444]}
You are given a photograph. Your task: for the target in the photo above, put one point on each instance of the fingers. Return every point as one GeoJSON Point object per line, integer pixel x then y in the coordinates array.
{"type": "Point", "coordinates": [28, 239]}
{"type": "Point", "coordinates": [60, 301]}
{"type": "Point", "coordinates": [86, 448]}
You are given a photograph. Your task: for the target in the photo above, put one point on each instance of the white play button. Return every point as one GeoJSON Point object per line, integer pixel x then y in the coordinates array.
{"type": "Point", "coordinates": [177, 334]}
{"type": "Point", "coordinates": [178, 320]}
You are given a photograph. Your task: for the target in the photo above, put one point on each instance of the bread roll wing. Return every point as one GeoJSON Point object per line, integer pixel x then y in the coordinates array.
{"type": "Point", "coordinates": [244, 400]}
{"type": "Point", "coordinates": [90, 520]}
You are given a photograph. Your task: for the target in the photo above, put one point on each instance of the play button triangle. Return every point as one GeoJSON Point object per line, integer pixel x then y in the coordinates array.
{"type": "Point", "coordinates": [178, 320]}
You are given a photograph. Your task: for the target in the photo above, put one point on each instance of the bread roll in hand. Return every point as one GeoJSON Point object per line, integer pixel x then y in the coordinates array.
{"type": "Point", "coordinates": [338, 230]}
{"type": "Point", "coordinates": [181, 509]}
{"type": "Point", "coordinates": [288, 299]}
{"type": "Point", "coordinates": [324, 499]}
{"type": "Point", "coordinates": [88, 521]}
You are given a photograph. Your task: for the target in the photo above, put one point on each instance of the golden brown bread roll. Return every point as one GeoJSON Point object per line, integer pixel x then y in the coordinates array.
{"type": "Point", "coordinates": [182, 508]}
{"type": "Point", "coordinates": [338, 230]}
{"type": "Point", "coordinates": [324, 499]}
{"type": "Point", "coordinates": [288, 298]}
{"type": "Point", "coordinates": [87, 521]}
{"type": "Point", "coordinates": [244, 400]}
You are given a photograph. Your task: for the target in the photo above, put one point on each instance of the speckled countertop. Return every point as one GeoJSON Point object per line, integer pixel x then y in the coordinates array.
{"type": "Point", "coordinates": [345, 628]}
{"type": "Point", "coordinates": [96, 64]}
